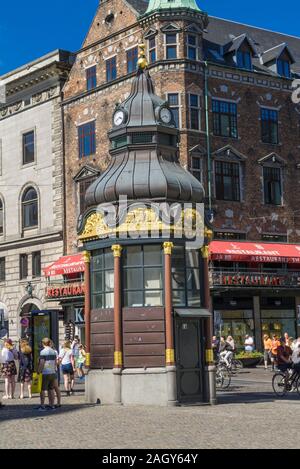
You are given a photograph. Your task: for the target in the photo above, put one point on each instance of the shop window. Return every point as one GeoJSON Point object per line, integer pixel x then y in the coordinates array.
{"type": "Point", "coordinates": [143, 276]}
{"type": "Point", "coordinates": [236, 323]}
{"type": "Point", "coordinates": [102, 279]}
{"type": "Point", "coordinates": [278, 321]}
{"type": "Point", "coordinates": [227, 177]}
{"type": "Point", "coordinates": [186, 281]}
{"type": "Point", "coordinates": [269, 126]}
{"type": "Point", "coordinates": [91, 78]}
{"type": "Point", "coordinates": [30, 208]}
{"type": "Point", "coordinates": [224, 118]}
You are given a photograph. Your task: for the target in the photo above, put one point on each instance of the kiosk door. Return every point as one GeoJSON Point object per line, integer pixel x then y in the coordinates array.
{"type": "Point", "coordinates": [189, 359]}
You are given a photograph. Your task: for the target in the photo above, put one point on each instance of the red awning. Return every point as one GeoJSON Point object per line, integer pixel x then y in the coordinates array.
{"type": "Point", "coordinates": [65, 265]}
{"type": "Point", "coordinates": [254, 252]}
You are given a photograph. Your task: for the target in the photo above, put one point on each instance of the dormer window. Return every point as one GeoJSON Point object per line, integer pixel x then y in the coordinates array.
{"type": "Point", "coordinates": [244, 60]}
{"type": "Point", "coordinates": [284, 68]}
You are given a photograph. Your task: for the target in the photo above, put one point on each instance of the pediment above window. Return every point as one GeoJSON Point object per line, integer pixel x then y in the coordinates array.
{"type": "Point", "coordinates": [277, 52]}
{"type": "Point", "coordinates": [239, 42]}
{"type": "Point", "coordinates": [150, 33]}
{"type": "Point", "coordinates": [272, 160]}
{"type": "Point", "coordinates": [229, 153]}
{"type": "Point", "coordinates": [193, 29]}
{"type": "Point", "coordinates": [171, 27]}
{"type": "Point", "coordinates": [197, 150]}
{"type": "Point", "coordinates": [86, 172]}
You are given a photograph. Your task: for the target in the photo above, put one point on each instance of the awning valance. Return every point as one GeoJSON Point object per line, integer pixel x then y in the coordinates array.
{"type": "Point", "coordinates": [65, 265]}
{"type": "Point", "coordinates": [192, 313]}
{"type": "Point", "coordinates": [254, 252]}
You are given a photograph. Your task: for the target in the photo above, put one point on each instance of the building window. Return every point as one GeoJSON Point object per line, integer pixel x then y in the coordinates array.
{"type": "Point", "coordinates": [194, 102]}
{"type": "Point", "coordinates": [173, 100]}
{"type": "Point", "coordinates": [274, 238]}
{"type": "Point", "coordinates": [132, 58]}
{"type": "Point", "coordinates": [284, 68]}
{"type": "Point", "coordinates": [186, 281]}
{"type": "Point", "coordinates": [87, 139]}
{"type": "Point", "coordinates": [91, 78]}
{"type": "Point", "coordinates": [224, 118]}
{"type": "Point", "coordinates": [111, 69]}
{"type": "Point", "coordinates": [229, 235]}
{"type": "Point", "coordinates": [269, 126]}
{"type": "Point", "coordinates": [171, 46]}
{"type": "Point", "coordinates": [227, 181]}
{"type": "Point", "coordinates": [30, 208]}
{"type": "Point", "coordinates": [152, 49]}
{"type": "Point", "coordinates": [36, 264]}
{"type": "Point", "coordinates": [2, 269]}
{"type": "Point", "coordinates": [102, 279]}
{"type": "Point", "coordinates": [28, 147]}
{"type": "Point", "coordinates": [142, 276]}
{"type": "Point", "coordinates": [83, 186]}
{"type": "Point", "coordinates": [244, 60]}
{"type": "Point", "coordinates": [196, 167]}
{"type": "Point", "coordinates": [1, 218]}
{"type": "Point", "coordinates": [192, 47]}
{"type": "Point", "coordinates": [23, 266]}
{"type": "Point", "coordinates": [272, 185]}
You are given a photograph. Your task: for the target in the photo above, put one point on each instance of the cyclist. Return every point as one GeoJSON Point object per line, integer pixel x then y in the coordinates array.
{"type": "Point", "coordinates": [296, 356]}
{"type": "Point", "coordinates": [284, 353]}
{"type": "Point", "coordinates": [226, 351]}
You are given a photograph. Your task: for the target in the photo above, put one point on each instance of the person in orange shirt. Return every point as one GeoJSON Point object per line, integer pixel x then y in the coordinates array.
{"type": "Point", "coordinates": [267, 350]}
{"type": "Point", "coordinates": [275, 345]}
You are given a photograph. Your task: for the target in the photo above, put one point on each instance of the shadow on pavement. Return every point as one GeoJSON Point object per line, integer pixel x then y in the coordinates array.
{"type": "Point", "coordinates": [233, 397]}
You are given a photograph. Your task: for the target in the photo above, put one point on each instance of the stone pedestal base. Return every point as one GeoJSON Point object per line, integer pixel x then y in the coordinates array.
{"type": "Point", "coordinates": [137, 386]}
{"type": "Point", "coordinates": [210, 372]}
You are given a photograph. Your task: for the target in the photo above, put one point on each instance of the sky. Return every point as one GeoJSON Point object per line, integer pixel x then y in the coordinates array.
{"type": "Point", "coordinates": [32, 28]}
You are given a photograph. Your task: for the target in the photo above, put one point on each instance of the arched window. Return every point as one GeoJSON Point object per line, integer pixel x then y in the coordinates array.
{"type": "Point", "coordinates": [29, 208]}
{"type": "Point", "coordinates": [1, 218]}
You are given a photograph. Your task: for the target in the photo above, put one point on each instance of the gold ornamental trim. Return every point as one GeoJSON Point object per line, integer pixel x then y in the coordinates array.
{"type": "Point", "coordinates": [118, 359]}
{"type": "Point", "coordinates": [117, 250]}
{"type": "Point", "coordinates": [141, 221]}
{"type": "Point", "coordinates": [205, 252]}
{"type": "Point", "coordinates": [209, 356]}
{"type": "Point", "coordinates": [208, 234]}
{"type": "Point", "coordinates": [86, 257]}
{"type": "Point", "coordinates": [87, 359]}
{"type": "Point", "coordinates": [170, 355]}
{"type": "Point", "coordinates": [168, 248]}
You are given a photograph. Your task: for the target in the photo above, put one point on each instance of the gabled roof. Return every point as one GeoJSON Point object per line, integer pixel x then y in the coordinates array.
{"type": "Point", "coordinates": [236, 43]}
{"type": "Point", "coordinates": [140, 6]}
{"type": "Point", "coordinates": [276, 52]}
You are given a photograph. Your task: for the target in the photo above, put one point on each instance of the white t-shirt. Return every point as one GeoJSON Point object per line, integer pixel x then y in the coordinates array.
{"type": "Point", "coordinates": [8, 355]}
{"type": "Point", "coordinates": [296, 354]}
{"type": "Point", "coordinates": [65, 355]}
{"type": "Point", "coordinates": [50, 356]}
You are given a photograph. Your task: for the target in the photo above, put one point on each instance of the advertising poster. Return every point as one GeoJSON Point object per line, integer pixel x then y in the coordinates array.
{"type": "Point", "coordinates": [41, 329]}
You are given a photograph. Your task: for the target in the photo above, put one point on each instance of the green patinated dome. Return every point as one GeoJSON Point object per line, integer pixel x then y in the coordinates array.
{"type": "Point", "coordinates": [155, 5]}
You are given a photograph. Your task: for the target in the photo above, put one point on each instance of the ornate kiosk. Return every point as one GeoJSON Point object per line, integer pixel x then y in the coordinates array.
{"type": "Point", "coordinates": [147, 312]}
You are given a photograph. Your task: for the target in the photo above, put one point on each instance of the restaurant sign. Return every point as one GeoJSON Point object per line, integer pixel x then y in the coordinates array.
{"type": "Point", "coordinates": [65, 291]}
{"type": "Point", "coordinates": [256, 280]}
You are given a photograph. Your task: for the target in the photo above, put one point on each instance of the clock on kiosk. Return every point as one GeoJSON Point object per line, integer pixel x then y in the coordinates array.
{"type": "Point", "coordinates": [119, 117]}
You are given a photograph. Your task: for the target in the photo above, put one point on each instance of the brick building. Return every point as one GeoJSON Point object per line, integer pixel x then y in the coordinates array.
{"type": "Point", "coordinates": [230, 87]}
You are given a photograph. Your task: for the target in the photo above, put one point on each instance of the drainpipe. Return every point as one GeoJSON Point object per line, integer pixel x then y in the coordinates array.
{"type": "Point", "coordinates": [209, 171]}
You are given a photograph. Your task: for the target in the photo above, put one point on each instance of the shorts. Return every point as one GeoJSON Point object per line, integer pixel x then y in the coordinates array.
{"type": "Point", "coordinates": [267, 355]}
{"type": "Point", "coordinates": [48, 382]}
{"type": "Point", "coordinates": [67, 369]}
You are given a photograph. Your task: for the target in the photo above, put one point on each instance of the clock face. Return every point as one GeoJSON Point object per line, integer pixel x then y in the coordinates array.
{"type": "Point", "coordinates": [165, 115]}
{"type": "Point", "coordinates": [119, 117]}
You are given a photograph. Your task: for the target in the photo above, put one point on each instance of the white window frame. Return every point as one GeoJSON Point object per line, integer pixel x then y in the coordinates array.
{"type": "Point", "coordinates": [172, 44]}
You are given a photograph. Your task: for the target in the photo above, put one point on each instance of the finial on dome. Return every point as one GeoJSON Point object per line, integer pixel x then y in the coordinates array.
{"type": "Point", "coordinates": [142, 61]}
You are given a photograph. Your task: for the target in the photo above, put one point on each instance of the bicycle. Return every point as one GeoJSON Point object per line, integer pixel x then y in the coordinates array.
{"type": "Point", "coordinates": [284, 382]}
{"type": "Point", "coordinates": [223, 377]}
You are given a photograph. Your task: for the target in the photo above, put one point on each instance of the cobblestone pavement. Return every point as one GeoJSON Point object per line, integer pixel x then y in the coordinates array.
{"type": "Point", "coordinates": [242, 419]}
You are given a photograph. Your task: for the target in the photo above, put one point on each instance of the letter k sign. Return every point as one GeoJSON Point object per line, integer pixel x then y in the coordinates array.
{"type": "Point", "coordinates": [79, 318]}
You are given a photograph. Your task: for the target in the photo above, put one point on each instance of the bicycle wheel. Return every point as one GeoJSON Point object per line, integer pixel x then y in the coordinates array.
{"type": "Point", "coordinates": [238, 364]}
{"type": "Point", "coordinates": [298, 385]}
{"type": "Point", "coordinates": [278, 384]}
{"type": "Point", "coordinates": [219, 379]}
{"type": "Point", "coordinates": [226, 380]}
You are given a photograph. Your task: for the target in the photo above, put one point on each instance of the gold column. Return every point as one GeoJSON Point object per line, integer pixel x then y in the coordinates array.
{"type": "Point", "coordinates": [87, 306]}
{"type": "Point", "coordinates": [209, 357]}
{"type": "Point", "coordinates": [170, 354]}
{"type": "Point", "coordinates": [118, 358]}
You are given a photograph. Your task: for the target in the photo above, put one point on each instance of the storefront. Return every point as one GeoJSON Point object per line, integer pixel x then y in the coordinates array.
{"type": "Point", "coordinates": [255, 289]}
{"type": "Point", "coordinates": [65, 283]}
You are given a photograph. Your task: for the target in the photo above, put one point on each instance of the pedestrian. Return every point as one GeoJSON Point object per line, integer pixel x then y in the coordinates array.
{"type": "Point", "coordinates": [75, 350]}
{"type": "Point", "coordinates": [275, 345]}
{"type": "Point", "coordinates": [286, 339]}
{"type": "Point", "coordinates": [249, 343]}
{"type": "Point", "coordinates": [225, 351]}
{"type": "Point", "coordinates": [284, 354]}
{"type": "Point", "coordinates": [231, 342]}
{"type": "Point", "coordinates": [267, 350]}
{"type": "Point", "coordinates": [25, 368]}
{"type": "Point", "coordinates": [47, 366]}
{"type": "Point", "coordinates": [296, 355]}
{"type": "Point", "coordinates": [215, 343]}
{"type": "Point", "coordinates": [9, 369]}
{"type": "Point", "coordinates": [66, 359]}
{"type": "Point", "coordinates": [81, 362]}
{"type": "Point", "coordinates": [57, 381]}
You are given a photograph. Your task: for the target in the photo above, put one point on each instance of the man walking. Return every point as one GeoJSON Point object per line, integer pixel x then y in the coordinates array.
{"type": "Point", "coordinates": [47, 366]}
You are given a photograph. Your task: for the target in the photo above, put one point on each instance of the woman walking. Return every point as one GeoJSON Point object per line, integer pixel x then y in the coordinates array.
{"type": "Point", "coordinates": [66, 359]}
{"type": "Point", "coordinates": [80, 362]}
{"type": "Point", "coordinates": [8, 368]}
{"type": "Point", "coordinates": [26, 367]}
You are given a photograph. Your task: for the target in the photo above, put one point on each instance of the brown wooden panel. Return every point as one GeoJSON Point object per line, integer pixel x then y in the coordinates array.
{"type": "Point", "coordinates": [102, 327]}
{"type": "Point", "coordinates": [143, 314]}
{"type": "Point", "coordinates": [144, 338]}
{"type": "Point", "coordinates": [144, 362]}
{"type": "Point", "coordinates": [102, 350]}
{"type": "Point", "coordinates": [145, 349]}
{"type": "Point", "coordinates": [102, 339]}
{"type": "Point", "coordinates": [143, 326]}
{"type": "Point", "coordinates": [101, 362]}
{"type": "Point", "coordinates": [98, 315]}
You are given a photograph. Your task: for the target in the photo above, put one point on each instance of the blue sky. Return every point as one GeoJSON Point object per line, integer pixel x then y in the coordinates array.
{"type": "Point", "coordinates": [29, 29]}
